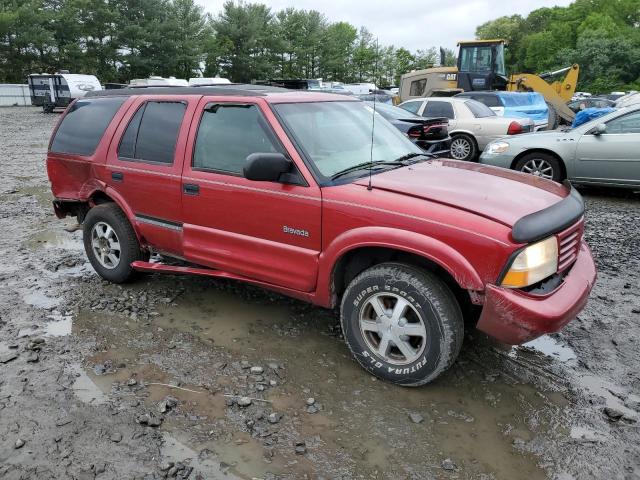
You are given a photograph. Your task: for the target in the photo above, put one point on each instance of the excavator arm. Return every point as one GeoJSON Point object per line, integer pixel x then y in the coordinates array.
{"type": "Point", "coordinates": [557, 94]}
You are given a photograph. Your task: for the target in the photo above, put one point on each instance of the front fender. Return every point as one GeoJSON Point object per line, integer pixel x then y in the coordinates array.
{"type": "Point", "coordinates": [403, 240]}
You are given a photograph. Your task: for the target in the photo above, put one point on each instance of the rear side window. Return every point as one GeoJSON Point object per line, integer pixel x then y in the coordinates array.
{"type": "Point", "coordinates": [152, 133]}
{"type": "Point", "coordinates": [228, 134]}
{"type": "Point", "coordinates": [412, 107]}
{"type": "Point", "coordinates": [84, 125]}
{"type": "Point", "coordinates": [438, 109]}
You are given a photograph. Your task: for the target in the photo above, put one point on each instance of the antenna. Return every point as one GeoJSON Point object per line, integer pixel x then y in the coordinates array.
{"type": "Point", "coordinates": [373, 119]}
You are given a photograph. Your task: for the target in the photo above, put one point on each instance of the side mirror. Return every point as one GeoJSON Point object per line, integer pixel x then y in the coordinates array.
{"type": "Point", "coordinates": [600, 129]}
{"type": "Point", "coordinates": [269, 167]}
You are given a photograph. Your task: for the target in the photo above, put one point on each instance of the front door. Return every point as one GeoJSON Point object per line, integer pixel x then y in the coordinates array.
{"type": "Point", "coordinates": [264, 230]}
{"type": "Point", "coordinates": [612, 157]}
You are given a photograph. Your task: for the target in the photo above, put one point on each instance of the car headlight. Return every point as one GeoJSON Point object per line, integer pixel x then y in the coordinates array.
{"type": "Point", "coordinates": [497, 147]}
{"type": "Point", "coordinates": [536, 262]}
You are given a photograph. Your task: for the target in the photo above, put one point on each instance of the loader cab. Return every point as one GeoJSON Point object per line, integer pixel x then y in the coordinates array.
{"type": "Point", "coordinates": [481, 65]}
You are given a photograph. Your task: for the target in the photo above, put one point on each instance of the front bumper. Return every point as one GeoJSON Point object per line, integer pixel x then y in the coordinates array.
{"type": "Point", "coordinates": [496, 160]}
{"type": "Point", "coordinates": [514, 317]}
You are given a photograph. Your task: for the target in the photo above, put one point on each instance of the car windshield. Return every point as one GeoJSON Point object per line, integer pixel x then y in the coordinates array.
{"type": "Point", "coordinates": [337, 136]}
{"type": "Point", "coordinates": [393, 113]}
{"type": "Point", "coordinates": [479, 110]}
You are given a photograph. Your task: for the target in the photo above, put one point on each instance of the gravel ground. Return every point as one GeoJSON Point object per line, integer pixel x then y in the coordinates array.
{"type": "Point", "coordinates": [185, 377]}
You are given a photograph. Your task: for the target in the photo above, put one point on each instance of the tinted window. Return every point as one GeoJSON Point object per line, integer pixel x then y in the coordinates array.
{"type": "Point", "coordinates": [412, 107]}
{"type": "Point", "coordinates": [84, 124]}
{"type": "Point", "coordinates": [228, 134]}
{"type": "Point", "coordinates": [417, 87]}
{"type": "Point", "coordinates": [629, 123]}
{"type": "Point", "coordinates": [488, 100]}
{"type": "Point", "coordinates": [479, 110]}
{"type": "Point", "coordinates": [438, 109]}
{"type": "Point", "coordinates": [152, 132]}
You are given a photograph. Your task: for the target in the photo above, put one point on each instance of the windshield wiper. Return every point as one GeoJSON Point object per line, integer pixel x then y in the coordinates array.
{"type": "Point", "coordinates": [367, 166]}
{"type": "Point", "coordinates": [409, 156]}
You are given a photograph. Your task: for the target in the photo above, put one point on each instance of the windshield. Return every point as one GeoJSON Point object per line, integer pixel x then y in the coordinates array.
{"type": "Point", "coordinates": [479, 110]}
{"type": "Point", "coordinates": [337, 135]}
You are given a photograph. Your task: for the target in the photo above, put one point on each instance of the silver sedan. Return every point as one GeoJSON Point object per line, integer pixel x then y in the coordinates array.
{"type": "Point", "coordinates": [604, 151]}
{"type": "Point", "coordinates": [472, 125]}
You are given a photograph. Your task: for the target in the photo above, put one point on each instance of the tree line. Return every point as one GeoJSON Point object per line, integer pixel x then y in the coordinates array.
{"type": "Point", "coordinates": [119, 40]}
{"type": "Point", "coordinates": [602, 36]}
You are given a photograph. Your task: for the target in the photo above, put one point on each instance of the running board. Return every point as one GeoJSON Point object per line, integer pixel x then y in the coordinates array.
{"type": "Point", "coordinates": [149, 267]}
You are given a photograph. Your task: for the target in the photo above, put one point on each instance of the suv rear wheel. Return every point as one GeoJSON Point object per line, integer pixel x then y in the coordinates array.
{"type": "Point", "coordinates": [401, 323]}
{"type": "Point", "coordinates": [110, 243]}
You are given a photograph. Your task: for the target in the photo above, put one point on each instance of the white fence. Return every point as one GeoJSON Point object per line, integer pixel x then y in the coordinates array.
{"type": "Point", "coordinates": [14, 95]}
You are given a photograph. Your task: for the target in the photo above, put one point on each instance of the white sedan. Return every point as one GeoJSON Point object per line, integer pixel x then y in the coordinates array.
{"type": "Point", "coordinates": [472, 125]}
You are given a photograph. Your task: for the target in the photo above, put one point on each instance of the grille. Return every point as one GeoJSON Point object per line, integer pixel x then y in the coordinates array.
{"type": "Point", "coordinates": [569, 245]}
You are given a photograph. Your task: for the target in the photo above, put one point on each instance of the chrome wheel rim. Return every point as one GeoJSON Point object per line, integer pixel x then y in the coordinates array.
{"type": "Point", "coordinates": [392, 329]}
{"type": "Point", "coordinates": [539, 168]}
{"type": "Point", "coordinates": [460, 148]}
{"type": "Point", "coordinates": [105, 245]}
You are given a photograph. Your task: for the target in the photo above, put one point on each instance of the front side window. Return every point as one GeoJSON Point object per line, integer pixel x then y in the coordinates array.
{"type": "Point", "coordinates": [435, 108]}
{"type": "Point", "coordinates": [479, 110]}
{"type": "Point", "coordinates": [629, 123]}
{"type": "Point", "coordinates": [228, 134]}
{"type": "Point", "coordinates": [417, 88]}
{"type": "Point", "coordinates": [152, 133]}
{"type": "Point", "coordinates": [84, 125]}
{"type": "Point", "coordinates": [336, 136]}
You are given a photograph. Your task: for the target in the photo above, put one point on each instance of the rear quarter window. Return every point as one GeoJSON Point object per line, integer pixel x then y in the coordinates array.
{"type": "Point", "coordinates": [84, 124]}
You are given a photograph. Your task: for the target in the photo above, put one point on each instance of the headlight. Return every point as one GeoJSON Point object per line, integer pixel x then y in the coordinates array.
{"type": "Point", "coordinates": [536, 262]}
{"type": "Point", "coordinates": [497, 147]}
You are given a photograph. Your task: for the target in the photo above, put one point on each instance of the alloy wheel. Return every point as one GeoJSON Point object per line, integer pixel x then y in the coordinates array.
{"type": "Point", "coordinates": [460, 148]}
{"type": "Point", "coordinates": [538, 167]}
{"type": "Point", "coordinates": [393, 329]}
{"type": "Point", "coordinates": [105, 245]}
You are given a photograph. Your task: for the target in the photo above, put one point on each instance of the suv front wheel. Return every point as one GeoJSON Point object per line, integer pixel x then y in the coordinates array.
{"type": "Point", "coordinates": [402, 323]}
{"type": "Point", "coordinates": [110, 243]}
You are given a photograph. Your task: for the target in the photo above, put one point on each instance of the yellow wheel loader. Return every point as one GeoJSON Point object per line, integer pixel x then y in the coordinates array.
{"type": "Point", "coordinates": [481, 67]}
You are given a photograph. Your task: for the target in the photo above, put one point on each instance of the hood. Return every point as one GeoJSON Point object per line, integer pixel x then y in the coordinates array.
{"type": "Point", "coordinates": [495, 193]}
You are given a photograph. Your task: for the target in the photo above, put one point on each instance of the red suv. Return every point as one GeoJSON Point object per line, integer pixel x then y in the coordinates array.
{"type": "Point", "coordinates": [305, 194]}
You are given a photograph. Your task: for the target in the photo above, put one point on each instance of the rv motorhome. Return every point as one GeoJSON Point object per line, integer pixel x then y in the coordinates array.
{"type": "Point", "coordinates": [58, 90]}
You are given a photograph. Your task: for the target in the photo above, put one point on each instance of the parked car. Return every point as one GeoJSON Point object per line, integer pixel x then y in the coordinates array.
{"type": "Point", "coordinates": [628, 100]}
{"type": "Point", "coordinates": [294, 192]}
{"type": "Point", "coordinates": [604, 151]}
{"type": "Point", "coordinates": [515, 105]}
{"type": "Point", "coordinates": [472, 125]}
{"type": "Point", "coordinates": [590, 102]}
{"type": "Point", "coordinates": [430, 134]}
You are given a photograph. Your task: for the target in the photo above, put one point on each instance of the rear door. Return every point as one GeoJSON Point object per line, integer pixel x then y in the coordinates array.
{"type": "Point", "coordinates": [145, 163]}
{"type": "Point", "coordinates": [614, 156]}
{"type": "Point", "coordinates": [264, 230]}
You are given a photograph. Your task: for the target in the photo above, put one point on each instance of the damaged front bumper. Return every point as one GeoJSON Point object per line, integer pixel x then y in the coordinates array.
{"type": "Point", "coordinates": [515, 317]}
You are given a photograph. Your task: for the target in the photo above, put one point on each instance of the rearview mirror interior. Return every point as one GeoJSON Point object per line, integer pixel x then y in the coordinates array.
{"type": "Point", "coordinates": [271, 167]}
{"type": "Point", "coordinates": [600, 129]}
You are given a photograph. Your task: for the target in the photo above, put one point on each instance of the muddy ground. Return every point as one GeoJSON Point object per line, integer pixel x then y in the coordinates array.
{"type": "Point", "coordinates": [144, 380]}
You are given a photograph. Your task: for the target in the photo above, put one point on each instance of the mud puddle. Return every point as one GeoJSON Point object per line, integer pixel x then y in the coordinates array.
{"type": "Point", "coordinates": [369, 423]}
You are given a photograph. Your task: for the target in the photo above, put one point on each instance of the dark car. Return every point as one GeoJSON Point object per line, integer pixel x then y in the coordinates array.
{"type": "Point", "coordinates": [590, 102]}
{"type": "Point", "coordinates": [430, 134]}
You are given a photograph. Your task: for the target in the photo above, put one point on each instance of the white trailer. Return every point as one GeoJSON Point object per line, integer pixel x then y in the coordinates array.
{"type": "Point", "coordinates": [58, 90]}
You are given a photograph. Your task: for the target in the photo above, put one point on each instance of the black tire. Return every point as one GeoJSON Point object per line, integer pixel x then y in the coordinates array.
{"type": "Point", "coordinates": [554, 118]}
{"type": "Point", "coordinates": [541, 161]}
{"type": "Point", "coordinates": [428, 297]}
{"type": "Point", "coordinates": [111, 215]}
{"type": "Point", "coordinates": [462, 140]}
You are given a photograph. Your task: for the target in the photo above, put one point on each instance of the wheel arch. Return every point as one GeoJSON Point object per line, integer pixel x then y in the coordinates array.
{"type": "Point", "coordinates": [355, 251]}
{"type": "Point", "coordinates": [521, 155]}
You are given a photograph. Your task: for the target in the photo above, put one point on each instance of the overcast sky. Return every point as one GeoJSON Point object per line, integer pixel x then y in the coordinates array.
{"type": "Point", "coordinates": [412, 24]}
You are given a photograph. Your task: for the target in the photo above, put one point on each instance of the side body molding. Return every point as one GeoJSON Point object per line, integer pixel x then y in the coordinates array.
{"type": "Point", "coordinates": [430, 248]}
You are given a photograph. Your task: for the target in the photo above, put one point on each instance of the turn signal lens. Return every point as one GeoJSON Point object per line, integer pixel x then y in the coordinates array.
{"type": "Point", "coordinates": [536, 262]}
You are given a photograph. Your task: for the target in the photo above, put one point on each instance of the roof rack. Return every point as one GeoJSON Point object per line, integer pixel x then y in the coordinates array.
{"type": "Point", "coordinates": [238, 89]}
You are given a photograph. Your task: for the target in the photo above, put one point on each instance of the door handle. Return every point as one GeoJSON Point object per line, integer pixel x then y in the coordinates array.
{"type": "Point", "coordinates": [117, 176]}
{"type": "Point", "coordinates": [191, 189]}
